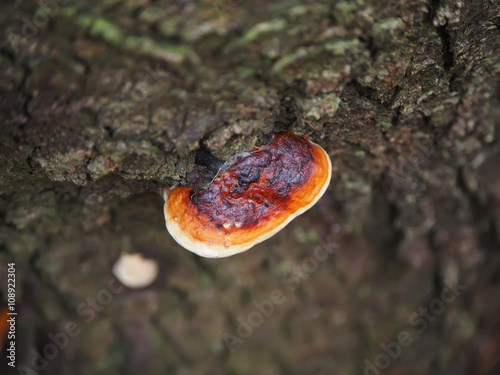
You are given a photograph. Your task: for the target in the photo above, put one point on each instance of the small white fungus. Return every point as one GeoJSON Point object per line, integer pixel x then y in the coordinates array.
{"type": "Point", "coordinates": [135, 271]}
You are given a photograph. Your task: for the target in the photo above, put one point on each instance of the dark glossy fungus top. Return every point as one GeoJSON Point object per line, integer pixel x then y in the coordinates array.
{"type": "Point", "coordinates": [256, 185]}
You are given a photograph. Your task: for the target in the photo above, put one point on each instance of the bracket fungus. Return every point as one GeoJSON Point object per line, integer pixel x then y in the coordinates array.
{"type": "Point", "coordinates": [251, 199]}
{"type": "Point", "coordinates": [134, 271]}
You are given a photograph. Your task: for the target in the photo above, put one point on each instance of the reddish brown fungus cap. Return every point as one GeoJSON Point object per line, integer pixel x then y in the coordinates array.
{"type": "Point", "coordinates": [254, 198]}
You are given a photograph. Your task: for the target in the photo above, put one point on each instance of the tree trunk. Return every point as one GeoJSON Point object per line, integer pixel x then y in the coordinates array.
{"type": "Point", "coordinates": [395, 270]}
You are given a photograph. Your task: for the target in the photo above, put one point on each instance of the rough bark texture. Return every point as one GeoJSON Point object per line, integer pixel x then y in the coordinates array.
{"type": "Point", "coordinates": [103, 102]}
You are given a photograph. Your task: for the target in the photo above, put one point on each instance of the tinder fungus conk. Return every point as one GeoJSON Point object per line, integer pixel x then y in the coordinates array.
{"type": "Point", "coordinates": [254, 198]}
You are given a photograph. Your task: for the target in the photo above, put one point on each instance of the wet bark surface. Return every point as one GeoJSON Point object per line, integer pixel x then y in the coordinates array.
{"type": "Point", "coordinates": [395, 270]}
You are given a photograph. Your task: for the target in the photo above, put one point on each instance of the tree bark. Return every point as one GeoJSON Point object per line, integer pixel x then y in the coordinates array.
{"type": "Point", "coordinates": [103, 103]}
